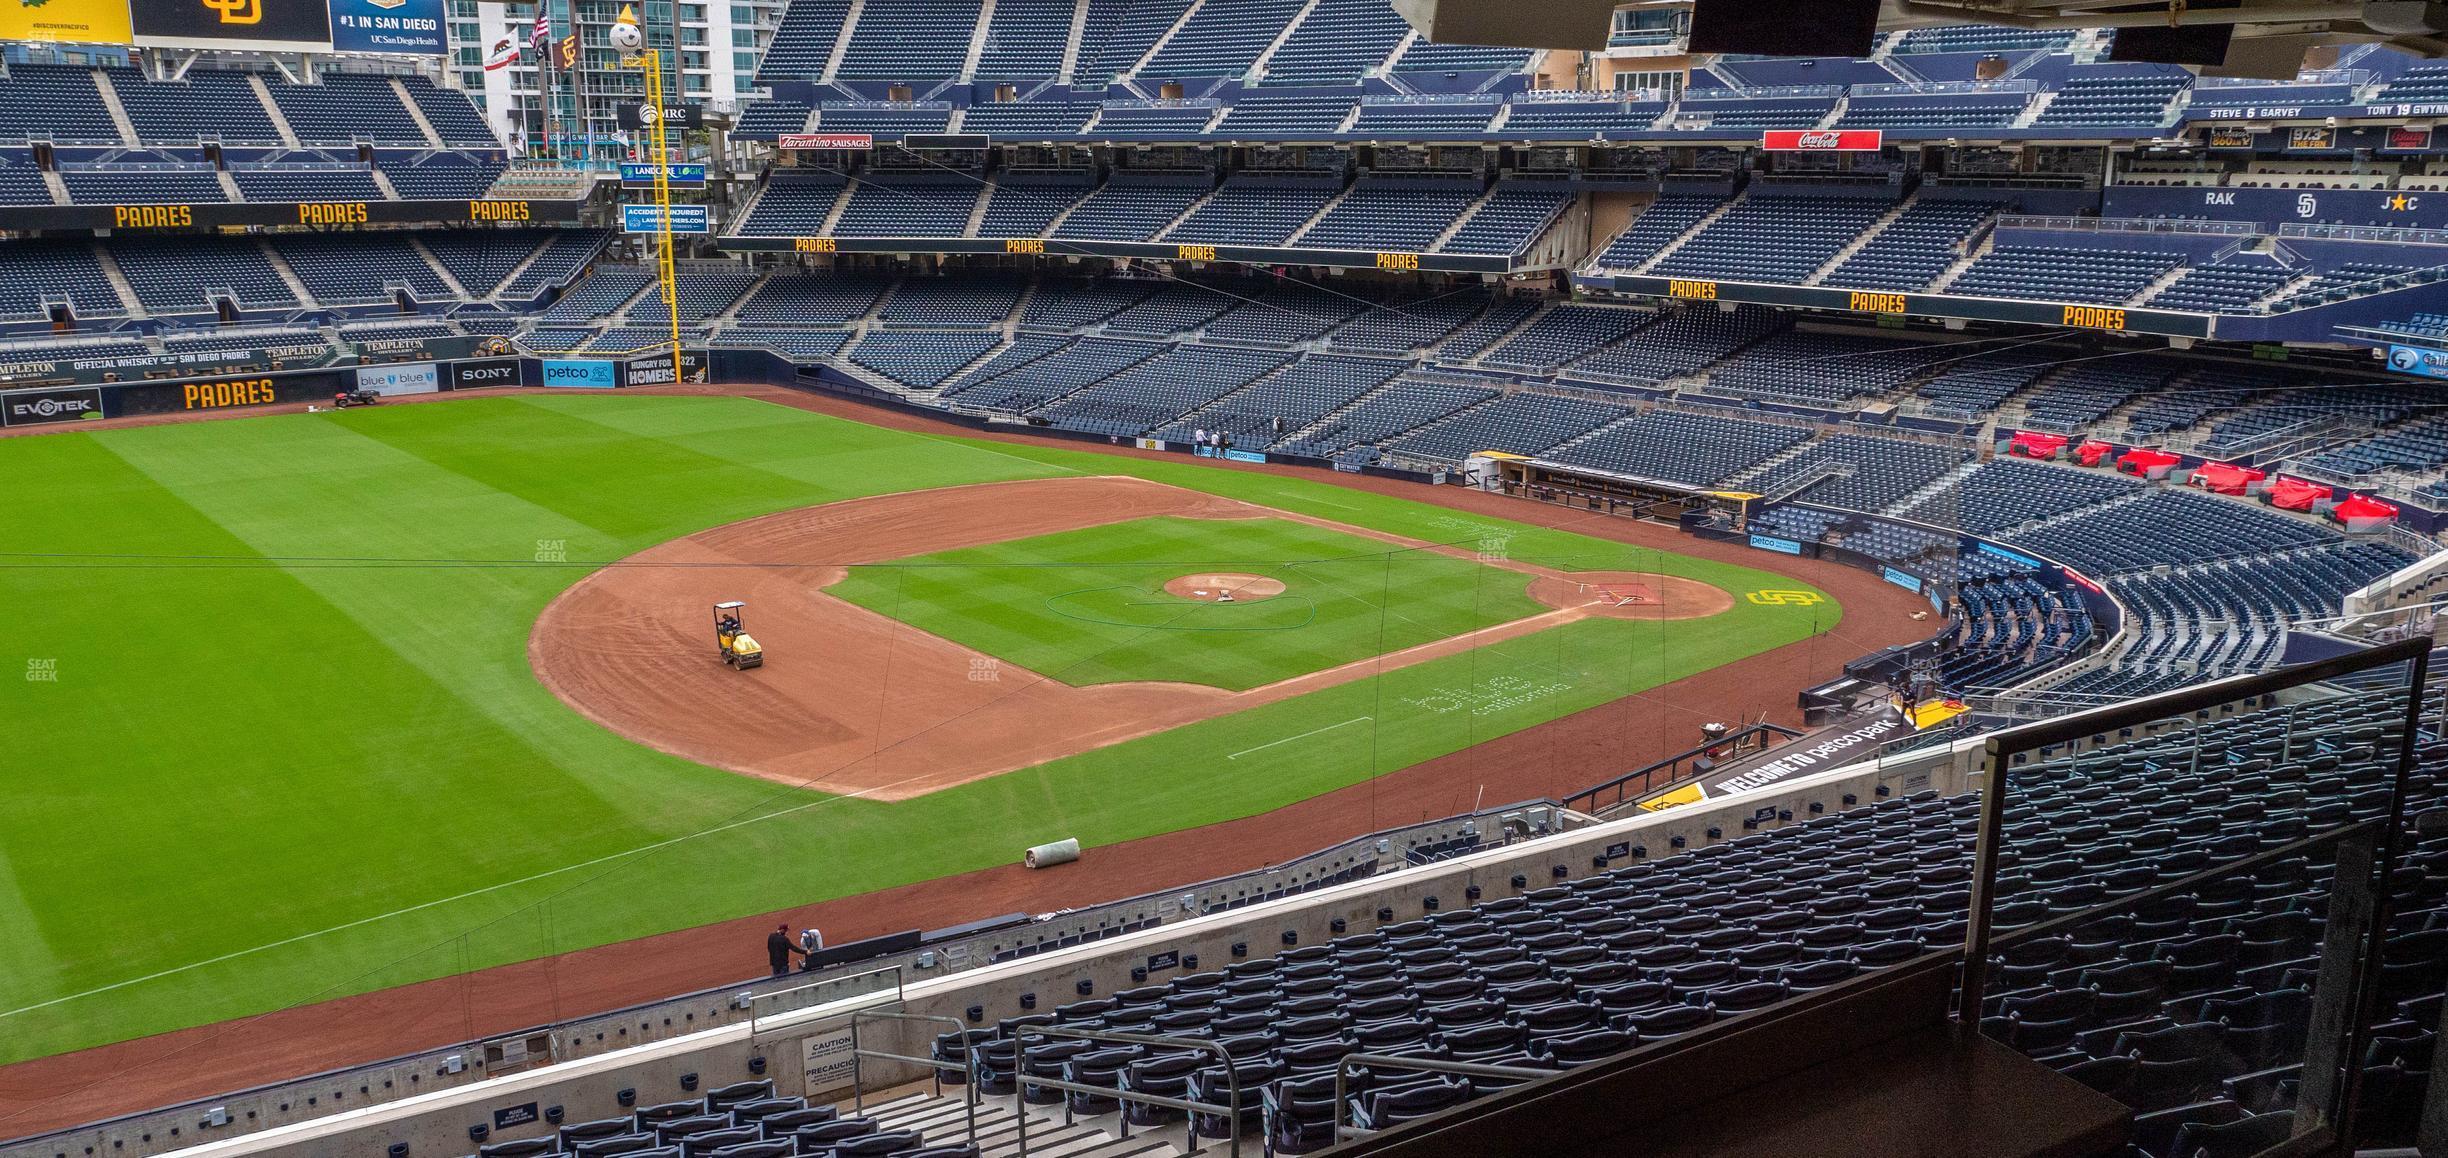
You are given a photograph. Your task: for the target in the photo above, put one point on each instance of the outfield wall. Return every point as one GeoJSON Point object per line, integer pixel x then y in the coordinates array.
{"type": "Point", "coordinates": [214, 393]}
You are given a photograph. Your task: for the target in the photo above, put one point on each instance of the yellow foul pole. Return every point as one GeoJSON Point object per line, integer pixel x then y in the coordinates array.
{"type": "Point", "coordinates": [650, 61]}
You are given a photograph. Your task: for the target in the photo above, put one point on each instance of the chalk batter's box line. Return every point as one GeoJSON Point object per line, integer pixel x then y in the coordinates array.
{"type": "Point", "coordinates": [1612, 595]}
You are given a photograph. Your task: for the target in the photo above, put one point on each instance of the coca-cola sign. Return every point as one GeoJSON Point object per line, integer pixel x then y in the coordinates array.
{"type": "Point", "coordinates": [1822, 140]}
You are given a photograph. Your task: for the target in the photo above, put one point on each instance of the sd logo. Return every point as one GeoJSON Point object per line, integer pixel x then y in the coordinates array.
{"type": "Point", "coordinates": [1774, 598]}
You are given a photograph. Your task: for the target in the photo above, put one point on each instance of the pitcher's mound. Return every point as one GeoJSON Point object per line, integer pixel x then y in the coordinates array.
{"type": "Point", "coordinates": [1631, 595]}
{"type": "Point", "coordinates": [1212, 588]}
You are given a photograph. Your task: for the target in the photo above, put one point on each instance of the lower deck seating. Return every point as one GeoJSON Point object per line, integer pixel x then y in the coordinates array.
{"type": "Point", "coordinates": [2185, 1003]}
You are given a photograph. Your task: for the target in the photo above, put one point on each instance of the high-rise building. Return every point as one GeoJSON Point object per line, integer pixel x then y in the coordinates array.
{"type": "Point", "coordinates": [710, 53]}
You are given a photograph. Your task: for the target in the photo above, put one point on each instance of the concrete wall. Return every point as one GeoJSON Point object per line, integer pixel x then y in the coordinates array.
{"type": "Point", "coordinates": [437, 1125]}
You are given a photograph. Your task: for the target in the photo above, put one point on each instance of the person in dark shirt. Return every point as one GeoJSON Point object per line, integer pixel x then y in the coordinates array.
{"type": "Point", "coordinates": [779, 947]}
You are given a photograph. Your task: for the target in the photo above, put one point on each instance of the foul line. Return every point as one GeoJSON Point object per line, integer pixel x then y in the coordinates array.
{"type": "Point", "coordinates": [641, 849]}
{"type": "Point", "coordinates": [1302, 736]}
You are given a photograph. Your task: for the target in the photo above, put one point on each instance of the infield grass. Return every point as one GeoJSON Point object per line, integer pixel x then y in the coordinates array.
{"type": "Point", "coordinates": [277, 739]}
{"type": "Point", "coordinates": [1089, 606]}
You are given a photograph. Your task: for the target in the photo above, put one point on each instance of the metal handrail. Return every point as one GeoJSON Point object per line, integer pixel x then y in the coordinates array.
{"type": "Point", "coordinates": [1021, 1080]}
{"type": "Point", "coordinates": [899, 989]}
{"type": "Point", "coordinates": [1737, 741]}
{"type": "Point", "coordinates": [859, 1054]}
{"type": "Point", "coordinates": [1344, 1067]}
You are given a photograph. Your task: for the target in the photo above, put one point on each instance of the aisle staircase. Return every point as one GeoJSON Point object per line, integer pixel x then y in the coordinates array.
{"type": "Point", "coordinates": [944, 1120]}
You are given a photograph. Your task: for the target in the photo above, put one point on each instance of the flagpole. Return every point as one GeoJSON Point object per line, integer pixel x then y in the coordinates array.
{"type": "Point", "coordinates": [544, 88]}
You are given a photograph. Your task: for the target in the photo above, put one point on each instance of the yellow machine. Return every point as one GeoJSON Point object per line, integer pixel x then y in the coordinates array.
{"type": "Point", "coordinates": [731, 639]}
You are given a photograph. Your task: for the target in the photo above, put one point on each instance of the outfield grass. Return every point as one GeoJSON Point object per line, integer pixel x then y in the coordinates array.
{"type": "Point", "coordinates": [291, 748]}
{"type": "Point", "coordinates": [1089, 606]}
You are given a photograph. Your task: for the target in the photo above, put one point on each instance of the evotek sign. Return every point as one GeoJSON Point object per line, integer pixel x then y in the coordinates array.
{"type": "Point", "coordinates": [37, 407]}
{"type": "Point", "coordinates": [1823, 140]}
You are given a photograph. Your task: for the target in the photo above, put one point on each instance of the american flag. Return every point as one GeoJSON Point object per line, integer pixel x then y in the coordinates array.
{"type": "Point", "coordinates": [543, 26]}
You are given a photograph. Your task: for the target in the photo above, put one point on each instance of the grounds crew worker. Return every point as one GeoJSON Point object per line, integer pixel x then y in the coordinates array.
{"type": "Point", "coordinates": [778, 948]}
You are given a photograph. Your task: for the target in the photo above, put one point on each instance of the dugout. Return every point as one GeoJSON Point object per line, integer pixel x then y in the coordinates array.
{"type": "Point", "coordinates": [1612, 492]}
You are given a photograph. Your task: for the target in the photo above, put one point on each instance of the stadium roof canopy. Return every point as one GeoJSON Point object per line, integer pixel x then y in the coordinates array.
{"type": "Point", "coordinates": [2266, 38]}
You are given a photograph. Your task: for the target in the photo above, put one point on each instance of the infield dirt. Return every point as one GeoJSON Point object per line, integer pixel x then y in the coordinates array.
{"type": "Point", "coordinates": [854, 702]}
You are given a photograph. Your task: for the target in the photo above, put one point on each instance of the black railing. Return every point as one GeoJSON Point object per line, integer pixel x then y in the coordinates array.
{"type": "Point", "coordinates": [1676, 770]}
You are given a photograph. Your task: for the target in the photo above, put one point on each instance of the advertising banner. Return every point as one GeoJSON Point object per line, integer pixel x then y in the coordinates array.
{"type": "Point", "coordinates": [2409, 140]}
{"type": "Point", "coordinates": [71, 21]}
{"type": "Point", "coordinates": [41, 407]}
{"type": "Point", "coordinates": [637, 175]}
{"type": "Point", "coordinates": [1823, 140]}
{"type": "Point", "coordinates": [655, 369]}
{"type": "Point", "coordinates": [2309, 137]}
{"type": "Point", "coordinates": [684, 219]}
{"type": "Point", "coordinates": [649, 371]}
{"type": "Point", "coordinates": [398, 27]}
{"type": "Point", "coordinates": [1772, 543]}
{"type": "Point", "coordinates": [825, 141]}
{"type": "Point", "coordinates": [2231, 138]}
{"type": "Point", "coordinates": [405, 378]}
{"type": "Point", "coordinates": [2389, 208]}
{"type": "Point", "coordinates": [2419, 361]}
{"type": "Point", "coordinates": [1817, 752]}
{"type": "Point", "coordinates": [1904, 579]}
{"type": "Point", "coordinates": [638, 115]}
{"type": "Point", "coordinates": [261, 25]}
{"type": "Point", "coordinates": [581, 373]}
{"type": "Point", "coordinates": [481, 374]}
{"type": "Point", "coordinates": [224, 393]}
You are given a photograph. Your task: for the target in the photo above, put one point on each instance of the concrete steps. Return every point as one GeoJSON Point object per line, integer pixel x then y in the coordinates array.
{"type": "Point", "coordinates": [118, 112]}
{"type": "Point", "coordinates": [1865, 238]}
{"type": "Point", "coordinates": [841, 41]}
{"type": "Point", "coordinates": [1667, 250]}
{"type": "Point", "coordinates": [417, 115]}
{"type": "Point", "coordinates": [946, 1119]}
{"type": "Point", "coordinates": [263, 94]}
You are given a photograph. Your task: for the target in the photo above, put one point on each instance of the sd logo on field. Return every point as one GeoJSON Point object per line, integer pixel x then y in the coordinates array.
{"type": "Point", "coordinates": [1775, 598]}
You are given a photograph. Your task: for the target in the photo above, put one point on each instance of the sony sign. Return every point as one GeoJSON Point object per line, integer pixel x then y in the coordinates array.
{"type": "Point", "coordinates": [482, 373]}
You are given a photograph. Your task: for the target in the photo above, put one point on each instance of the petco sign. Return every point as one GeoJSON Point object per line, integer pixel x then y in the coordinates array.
{"type": "Point", "coordinates": [581, 374]}
{"type": "Point", "coordinates": [1823, 140]}
{"type": "Point", "coordinates": [35, 408]}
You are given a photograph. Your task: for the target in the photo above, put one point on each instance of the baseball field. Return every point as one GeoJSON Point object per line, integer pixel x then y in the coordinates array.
{"type": "Point", "coordinates": [313, 705]}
